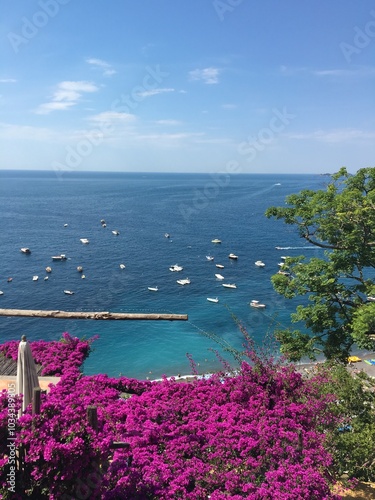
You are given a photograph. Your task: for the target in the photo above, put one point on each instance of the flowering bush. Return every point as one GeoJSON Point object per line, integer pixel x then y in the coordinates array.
{"type": "Point", "coordinates": [62, 449]}
{"type": "Point", "coordinates": [57, 356]}
{"type": "Point", "coordinates": [255, 435]}
{"type": "Point", "coordinates": [251, 436]}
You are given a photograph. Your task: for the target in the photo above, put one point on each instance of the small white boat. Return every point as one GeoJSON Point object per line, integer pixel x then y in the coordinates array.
{"type": "Point", "coordinates": [256, 303]}
{"type": "Point", "coordinates": [79, 269]}
{"type": "Point", "coordinates": [216, 240]}
{"type": "Point", "coordinates": [25, 250]}
{"type": "Point", "coordinates": [219, 276]}
{"type": "Point", "coordinates": [83, 276]}
{"type": "Point", "coordinates": [85, 241]}
{"type": "Point", "coordinates": [115, 232]}
{"type": "Point", "coordinates": [176, 268]}
{"type": "Point", "coordinates": [122, 266]}
{"type": "Point", "coordinates": [371, 299]}
{"type": "Point", "coordinates": [1, 292]}
{"type": "Point", "coordinates": [229, 285]}
{"type": "Point", "coordinates": [48, 269]}
{"type": "Point", "coordinates": [68, 292]}
{"type": "Point", "coordinates": [35, 278]}
{"type": "Point", "coordinates": [62, 256]}
{"type": "Point", "coordinates": [210, 299]}
{"type": "Point", "coordinates": [209, 257]}
{"type": "Point", "coordinates": [153, 288]}
{"type": "Point", "coordinates": [186, 281]}
{"type": "Point", "coordinates": [102, 222]}
{"type": "Point", "coordinates": [45, 278]}
{"type": "Point", "coordinates": [260, 263]}
{"type": "Point", "coordinates": [281, 264]}
{"type": "Point", "coordinates": [167, 235]}
{"type": "Point", "coordinates": [65, 225]}
{"type": "Point", "coordinates": [233, 256]}
{"type": "Point", "coordinates": [220, 266]}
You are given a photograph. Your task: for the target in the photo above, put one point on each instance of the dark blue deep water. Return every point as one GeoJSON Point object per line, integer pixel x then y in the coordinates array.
{"type": "Point", "coordinates": [193, 209]}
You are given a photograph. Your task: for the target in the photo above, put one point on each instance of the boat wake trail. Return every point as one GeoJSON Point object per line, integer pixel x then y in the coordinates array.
{"type": "Point", "coordinates": [296, 248]}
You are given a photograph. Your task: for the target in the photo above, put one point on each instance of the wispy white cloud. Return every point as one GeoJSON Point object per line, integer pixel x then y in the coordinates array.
{"type": "Point", "coordinates": [10, 131]}
{"type": "Point", "coordinates": [112, 117]}
{"type": "Point", "coordinates": [332, 72]}
{"type": "Point", "coordinates": [48, 107]}
{"type": "Point", "coordinates": [148, 93]}
{"type": "Point", "coordinates": [7, 80]}
{"type": "Point", "coordinates": [360, 72]}
{"type": "Point", "coordinates": [123, 130]}
{"type": "Point", "coordinates": [335, 136]}
{"type": "Point", "coordinates": [292, 70]}
{"type": "Point", "coordinates": [66, 95]}
{"type": "Point", "coordinates": [113, 127]}
{"type": "Point", "coordinates": [229, 106]}
{"type": "Point", "coordinates": [102, 65]}
{"type": "Point", "coordinates": [169, 122]}
{"type": "Point", "coordinates": [206, 75]}
{"type": "Point", "coordinates": [165, 140]}
{"type": "Point", "coordinates": [353, 72]}
{"type": "Point", "coordinates": [117, 130]}
{"type": "Point", "coordinates": [25, 133]}
{"type": "Point", "coordinates": [213, 140]}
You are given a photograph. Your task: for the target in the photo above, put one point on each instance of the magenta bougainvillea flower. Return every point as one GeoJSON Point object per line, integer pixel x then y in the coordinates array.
{"type": "Point", "coordinates": [56, 356]}
{"type": "Point", "coordinates": [254, 435]}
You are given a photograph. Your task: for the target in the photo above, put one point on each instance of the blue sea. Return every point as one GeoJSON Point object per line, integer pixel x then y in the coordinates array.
{"type": "Point", "coordinates": [50, 213]}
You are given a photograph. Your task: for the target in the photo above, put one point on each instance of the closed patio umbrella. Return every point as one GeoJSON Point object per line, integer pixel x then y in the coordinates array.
{"type": "Point", "coordinates": [27, 377]}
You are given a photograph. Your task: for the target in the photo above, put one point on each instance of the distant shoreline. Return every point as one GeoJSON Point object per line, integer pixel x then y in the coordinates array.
{"type": "Point", "coordinates": [355, 366]}
{"type": "Point", "coordinates": [301, 367]}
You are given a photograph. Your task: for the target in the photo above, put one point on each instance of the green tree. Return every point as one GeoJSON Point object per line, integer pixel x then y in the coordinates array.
{"type": "Point", "coordinates": [339, 310]}
{"type": "Point", "coordinates": [352, 441]}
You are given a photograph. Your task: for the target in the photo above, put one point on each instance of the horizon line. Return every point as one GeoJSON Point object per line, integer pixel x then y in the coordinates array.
{"type": "Point", "coordinates": [65, 172]}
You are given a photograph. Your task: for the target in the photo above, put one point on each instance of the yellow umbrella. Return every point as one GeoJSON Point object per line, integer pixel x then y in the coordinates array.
{"type": "Point", "coordinates": [353, 359]}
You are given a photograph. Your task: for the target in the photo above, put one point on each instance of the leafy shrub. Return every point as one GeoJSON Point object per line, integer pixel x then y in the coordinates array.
{"type": "Point", "coordinates": [352, 441]}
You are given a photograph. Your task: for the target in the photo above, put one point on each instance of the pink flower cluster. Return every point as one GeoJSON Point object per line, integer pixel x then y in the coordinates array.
{"type": "Point", "coordinates": [251, 436]}
{"type": "Point", "coordinates": [56, 357]}
{"type": "Point", "coordinates": [256, 435]}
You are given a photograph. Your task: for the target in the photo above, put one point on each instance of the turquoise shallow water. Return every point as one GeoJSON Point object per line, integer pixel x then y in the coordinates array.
{"type": "Point", "coordinates": [193, 209]}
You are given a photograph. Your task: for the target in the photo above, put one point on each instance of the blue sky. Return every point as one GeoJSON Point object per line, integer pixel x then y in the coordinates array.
{"type": "Point", "coordinates": [187, 86]}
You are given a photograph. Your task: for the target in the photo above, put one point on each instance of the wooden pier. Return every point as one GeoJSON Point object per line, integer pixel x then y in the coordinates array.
{"type": "Point", "coordinates": [8, 367]}
{"type": "Point", "coordinates": [101, 315]}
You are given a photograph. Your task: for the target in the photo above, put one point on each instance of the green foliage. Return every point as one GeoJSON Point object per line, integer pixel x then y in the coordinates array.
{"type": "Point", "coordinates": [352, 443]}
{"type": "Point", "coordinates": [363, 322]}
{"type": "Point", "coordinates": [295, 344]}
{"type": "Point", "coordinates": [341, 221]}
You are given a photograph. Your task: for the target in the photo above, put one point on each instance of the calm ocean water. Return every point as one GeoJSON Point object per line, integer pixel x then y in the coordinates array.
{"type": "Point", "coordinates": [193, 209]}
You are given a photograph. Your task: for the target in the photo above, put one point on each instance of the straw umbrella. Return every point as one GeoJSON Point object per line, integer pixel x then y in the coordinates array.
{"type": "Point", "coordinates": [27, 377]}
